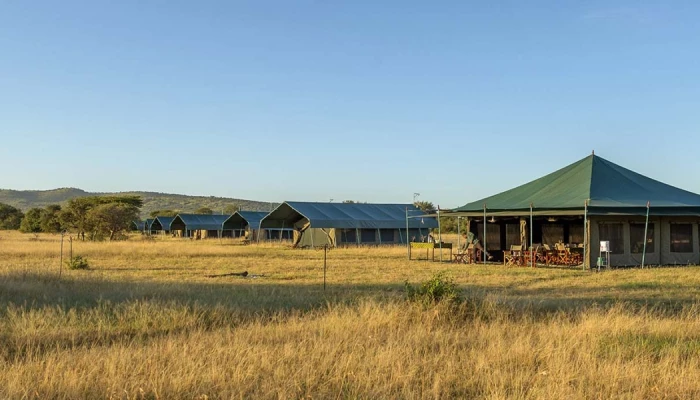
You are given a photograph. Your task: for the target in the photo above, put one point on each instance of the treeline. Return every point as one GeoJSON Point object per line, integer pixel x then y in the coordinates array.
{"type": "Point", "coordinates": [94, 217]}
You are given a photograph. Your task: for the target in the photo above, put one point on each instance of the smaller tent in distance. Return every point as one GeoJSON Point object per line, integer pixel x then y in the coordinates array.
{"type": "Point", "coordinates": [138, 226]}
{"type": "Point", "coordinates": [198, 226]}
{"type": "Point", "coordinates": [147, 226]}
{"type": "Point", "coordinates": [343, 224]}
{"type": "Point", "coordinates": [242, 222]}
{"type": "Point", "coordinates": [161, 224]}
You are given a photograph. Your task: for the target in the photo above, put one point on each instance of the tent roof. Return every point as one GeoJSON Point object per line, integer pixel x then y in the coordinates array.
{"type": "Point", "coordinates": [164, 222]}
{"type": "Point", "coordinates": [241, 219]}
{"type": "Point", "coordinates": [607, 186]}
{"type": "Point", "coordinates": [148, 222]}
{"type": "Point", "coordinates": [140, 225]}
{"type": "Point", "coordinates": [196, 222]}
{"type": "Point", "coordinates": [347, 215]}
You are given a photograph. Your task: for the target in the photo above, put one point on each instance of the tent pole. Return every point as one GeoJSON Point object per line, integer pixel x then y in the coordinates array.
{"type": "Point", "coordinates": [379, 235]}
{"type": "Point", "coordinates": [408, 244]}
{"type": "Point", "coordinates": [646, 227]}
{"type": "Point", "coordinates": [283, 231]}
{"type": "Point", "coordinates": [532, 248]}
{"type": "Point", "coordinates": [357, 236]}
{"type": "Point", "coordinates": [585, 235]}
{"type": "Point", "coordinates": [483, 256]}
{"type": "Point", "coordinates": [439, 232]}
{"type": "Point", "coordinates": [458, 235]}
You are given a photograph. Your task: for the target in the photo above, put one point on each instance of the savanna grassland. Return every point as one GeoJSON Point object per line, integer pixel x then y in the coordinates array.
{"type": "Point", "coordinates": [146, 321]}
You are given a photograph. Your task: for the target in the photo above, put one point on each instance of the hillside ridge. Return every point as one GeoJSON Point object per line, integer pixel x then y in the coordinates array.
{"type": "Point", "coordinates": [26, 199]}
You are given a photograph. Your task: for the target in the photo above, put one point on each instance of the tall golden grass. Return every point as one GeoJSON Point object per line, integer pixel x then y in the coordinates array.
{"type": "Point", "coordinates": [147, 322]}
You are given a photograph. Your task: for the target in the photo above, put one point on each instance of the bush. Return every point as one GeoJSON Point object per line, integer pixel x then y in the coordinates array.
{"type": "Point", "coordinates": [439, 288]}
{"type": "Point", "coordinates": [78, 262]}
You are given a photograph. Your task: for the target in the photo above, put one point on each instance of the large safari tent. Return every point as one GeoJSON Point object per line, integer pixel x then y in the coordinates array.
{"type": "Point", "coordinates": [342, 224]}
{"type": "Point", "coordinates": [590, 201]}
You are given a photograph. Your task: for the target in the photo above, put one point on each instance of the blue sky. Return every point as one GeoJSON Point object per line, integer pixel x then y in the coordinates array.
{"type": "Point", "coordinates": [363, 100]}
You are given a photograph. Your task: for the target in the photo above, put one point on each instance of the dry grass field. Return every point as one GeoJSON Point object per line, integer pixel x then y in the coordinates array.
{"type": "Point", "coordinates": [146, 322]}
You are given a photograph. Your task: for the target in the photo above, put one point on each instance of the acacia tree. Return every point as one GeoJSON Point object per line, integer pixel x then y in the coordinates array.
{"type": "Point", "coordinates": [10, 217]}
{"type": "Point", "coordinates": [425, 206]}
{"type": "Point", "coordinates": [50, 219]}
{"type": "Point", "coordinates": [78, 215]}
{"type": "Point", "coordinates": [231, 209]}
{"type": "Point", "coordinates": [162, 213]}
{"type": "Point", "coordinates": [204, 210]}
{"type": "Point", "coordinates": [112, 218]}
{"type": "Point", "coordinates": [31, 223]}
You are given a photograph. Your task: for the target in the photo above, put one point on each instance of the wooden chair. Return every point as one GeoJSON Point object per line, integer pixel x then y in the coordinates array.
{"type": "Point", "coordinates": [550, 256]}
{"type": "Point", "coordinates": [562, 256]}
{"type": "Point", "coordinates": [532, 256]}
{"type": "Point", "coordinates": [513, 257]}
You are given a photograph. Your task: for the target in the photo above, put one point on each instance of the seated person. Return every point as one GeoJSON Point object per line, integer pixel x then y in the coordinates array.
{"type": "Point", "coordinates": [471, 238]}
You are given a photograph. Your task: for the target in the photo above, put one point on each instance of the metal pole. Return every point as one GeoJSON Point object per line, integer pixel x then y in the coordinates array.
{"type": "Point", "coordinates": [585, 234]}
{"type": "Point", "coordinates": [60, 266]}
{"type": "Point", "coordinates": [483, 256]}
{"type": "Point", "coordinates": [532, 248]}
{"type": "Point", "coordinates": [646, 227]}
{"type": "Point", "coordinates": [458, 234]}
{"type": "Point", "coordinates": [439, 232]}
{"type": "Point", "coordinates": [408, 241]}
{"type": "Point", "coordinates": [325, 250]}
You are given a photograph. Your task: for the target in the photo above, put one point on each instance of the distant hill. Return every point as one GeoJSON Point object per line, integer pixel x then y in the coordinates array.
{"type": "Point", "coordinates": [26, 199]}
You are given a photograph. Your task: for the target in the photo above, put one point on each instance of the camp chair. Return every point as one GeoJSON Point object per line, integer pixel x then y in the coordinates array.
{"type": "Point", "coordinates": [513, 256]}
{"type": "Point", "coordinates": [562, 256]}
{"type": "Point", "coordinates": [532, 255]}
{"type": "Point", "coordinates": [550, 257]}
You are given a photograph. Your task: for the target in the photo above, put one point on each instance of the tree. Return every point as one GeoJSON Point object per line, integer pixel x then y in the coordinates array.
{"type": "Point", "coordinates": [204, 210]}
{"type": "Point", "coordinates": [50, 219]}
{"type": "Point", "coordinates": [112, 218]}
{"type": "Point", "coordinates": [74, 216]}
{"type": "Point", "coordinates": [231, 209]}
{"type": "Point", "coordinates": [79, 216]}
{"type": "Point", "coordinates": [31, 223]}
{"type": "Point", "coordinates": [10, 217]}
{"type": "Point", "coordinates": [425, 206]}
{"type": "Point", "coordinates": [163, 213]}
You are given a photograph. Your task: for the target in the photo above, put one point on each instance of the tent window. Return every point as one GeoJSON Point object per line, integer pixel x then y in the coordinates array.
{"type": "Point", "coordinates": [387, 235]}
{"type": "Point", "coordinates": [552, 233]}
{"type": "Point", "coordinates": [493, 236]}
{"type": "Point", "coordinates": [576, 234]}
{"type": "Point", "coordinates": [681, 238]}
{"type": "Point", "coordinates": [637, 238]}
{"type": "Point", "coordinates": [368, 235]}
{"type": "Point", "coordinates": [348, 236]}
{"type": "Point", "coordinates": [613, 234]}
{"type": "Point", "coordinates": [512, 235]}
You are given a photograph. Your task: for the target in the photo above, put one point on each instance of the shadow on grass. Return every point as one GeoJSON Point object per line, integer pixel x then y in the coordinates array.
{"type": "Point", "coordinates": [110, 312]}
{"type": "Point", "coordinates": [34, 291]}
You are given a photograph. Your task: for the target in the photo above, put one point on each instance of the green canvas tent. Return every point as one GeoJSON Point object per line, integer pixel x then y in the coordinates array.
{"type": "Point", "coordinates": [614, 200]}
{"type": "Point", "coordinates": [338, 224]}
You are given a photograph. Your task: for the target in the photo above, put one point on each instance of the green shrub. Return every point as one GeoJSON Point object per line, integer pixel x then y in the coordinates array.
{"type": "Point", "coordinates": [439, 288]}
{"type": "Point", "coordinates": [78, 262]}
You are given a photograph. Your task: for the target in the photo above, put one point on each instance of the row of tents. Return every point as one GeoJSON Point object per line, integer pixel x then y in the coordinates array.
{"type": "Point", "coordinates": [307, 224]}
{"type": "Point", "coordinates": [640, 220]}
